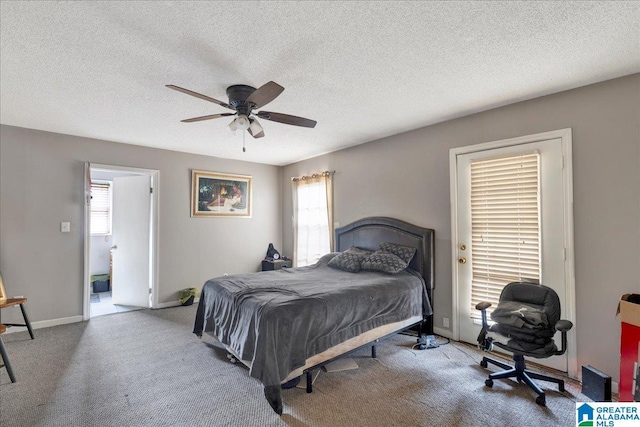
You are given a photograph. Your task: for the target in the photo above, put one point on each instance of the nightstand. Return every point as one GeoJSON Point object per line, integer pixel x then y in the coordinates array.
{"type": "Point", "coordinates": [277, 264]}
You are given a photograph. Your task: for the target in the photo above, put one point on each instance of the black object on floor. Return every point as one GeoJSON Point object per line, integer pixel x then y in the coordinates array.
{"type": "Point", "coordinates": [291, 383]}
{"type": "Point", "coordinates": [595, 384]}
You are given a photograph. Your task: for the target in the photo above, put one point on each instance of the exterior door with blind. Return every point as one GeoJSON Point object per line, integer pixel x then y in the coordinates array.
{"type": "Point", "coordinates": [511, 221]}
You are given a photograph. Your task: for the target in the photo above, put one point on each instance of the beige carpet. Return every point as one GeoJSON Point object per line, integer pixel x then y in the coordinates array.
{"type": "Point", "coordinates": [146, 368]}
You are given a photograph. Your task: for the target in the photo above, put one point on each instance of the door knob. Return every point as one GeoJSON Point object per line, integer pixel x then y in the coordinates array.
{"type": "Point", "coordinates": [462, 260]}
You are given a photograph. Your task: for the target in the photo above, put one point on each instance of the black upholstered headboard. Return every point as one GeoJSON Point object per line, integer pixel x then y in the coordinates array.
{"type": "Point", "coordinates": [368, 233]}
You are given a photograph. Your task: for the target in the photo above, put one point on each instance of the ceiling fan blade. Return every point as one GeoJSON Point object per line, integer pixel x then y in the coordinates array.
{"type": "Point", "coordinates": [265, 94]}
{"type": "Point", "coordinates": [201, 96]}
{"type": "Point", "coordinates": [286, 119]}
{"type": "Point", "coordinates": [212, 116]}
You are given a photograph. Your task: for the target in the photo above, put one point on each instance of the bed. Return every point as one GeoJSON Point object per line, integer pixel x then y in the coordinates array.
{"type": "Point", "coordinates": [286, 323]}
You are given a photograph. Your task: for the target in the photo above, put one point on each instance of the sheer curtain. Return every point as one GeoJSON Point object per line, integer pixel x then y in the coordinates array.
{"type": "Point", "coordinates": [312, 217]}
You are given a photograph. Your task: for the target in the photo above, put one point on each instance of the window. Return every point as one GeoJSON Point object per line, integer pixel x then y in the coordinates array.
{"type": "Point", "coordinates": [313, 218]}
{"type": "Point", "coordinates": [505, 225]}
{"type": "Point", "coordinates": [100, 208]}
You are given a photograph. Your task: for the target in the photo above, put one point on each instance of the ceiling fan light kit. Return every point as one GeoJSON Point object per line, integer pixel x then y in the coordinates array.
{"type": "Point", "coordinates": [244, 99]}
{"type": "Point", "coordinates": [241, 122]}
{"type": "Point", "coordinates": [255, 127]}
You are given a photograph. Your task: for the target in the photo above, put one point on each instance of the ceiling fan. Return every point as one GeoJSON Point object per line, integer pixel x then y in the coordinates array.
{"type": "Point", "coordinates": [244, 99]}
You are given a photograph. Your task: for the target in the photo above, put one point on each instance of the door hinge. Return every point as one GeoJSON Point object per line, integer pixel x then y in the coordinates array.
{"type": "Point", "coordinates": [151, 190]}
{"type": "Point", "coordinates": [564, 254]}
{"type": "Point", "coordinates": [562, 162]}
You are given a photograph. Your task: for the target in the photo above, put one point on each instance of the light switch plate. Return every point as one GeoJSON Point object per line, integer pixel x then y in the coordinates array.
{"type": "Point", "coordinates": [65, 227]}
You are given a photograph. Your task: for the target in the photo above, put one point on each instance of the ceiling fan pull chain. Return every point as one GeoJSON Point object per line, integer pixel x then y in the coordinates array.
{"type": "Point", "coordinates": [243, 135]}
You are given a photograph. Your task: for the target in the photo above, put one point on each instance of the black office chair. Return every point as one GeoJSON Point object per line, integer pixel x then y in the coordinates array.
{"type": "Point", "coordinates": [528, 315]}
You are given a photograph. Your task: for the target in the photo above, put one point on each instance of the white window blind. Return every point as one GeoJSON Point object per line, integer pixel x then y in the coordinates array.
{"type": "Point", "coordinates": [505, 225]}
{"type": "Point", "coordinates": [100, 208]}
{"type": "Point", "coordinates": [312, 211]}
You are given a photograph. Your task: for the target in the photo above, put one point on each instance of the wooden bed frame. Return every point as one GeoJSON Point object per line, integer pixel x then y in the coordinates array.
{"type": "Point", "coordinates": [368, 233]}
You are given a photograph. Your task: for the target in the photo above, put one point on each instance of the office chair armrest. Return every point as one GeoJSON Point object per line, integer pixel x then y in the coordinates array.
{"type": "Point", "coordinates": [563, 325]}
{"type": "Point", "coordinates": [483, 305]}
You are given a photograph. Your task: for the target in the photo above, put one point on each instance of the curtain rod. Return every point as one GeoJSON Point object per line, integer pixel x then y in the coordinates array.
{"type": "Point", "coordinates": [315, 175]}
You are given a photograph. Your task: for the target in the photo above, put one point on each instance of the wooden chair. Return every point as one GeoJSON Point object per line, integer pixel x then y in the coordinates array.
{"type": "Point", "coordinates": [11, 302]}
{"type": "Point", "coordinates": [5, 356]}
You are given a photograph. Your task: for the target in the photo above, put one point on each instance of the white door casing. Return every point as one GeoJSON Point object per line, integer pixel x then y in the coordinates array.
{"type": "Point", "coordinates": [131, 240]}
{"type": "Point", "coordinates": [557, 268]}
{"type": "Point", "coordinates": [154, 176]}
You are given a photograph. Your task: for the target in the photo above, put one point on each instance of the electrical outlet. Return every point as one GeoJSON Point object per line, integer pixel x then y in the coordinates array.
{"type": "Point", "coordinates": [445, 322]}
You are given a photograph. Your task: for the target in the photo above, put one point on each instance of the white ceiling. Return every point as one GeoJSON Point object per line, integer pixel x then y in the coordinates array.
{"type": "Point", "coordinates": [363, 70]}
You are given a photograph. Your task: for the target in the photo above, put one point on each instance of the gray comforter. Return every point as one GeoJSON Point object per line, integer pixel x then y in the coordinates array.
{"type": "Point", "coordinates": [278, 319]}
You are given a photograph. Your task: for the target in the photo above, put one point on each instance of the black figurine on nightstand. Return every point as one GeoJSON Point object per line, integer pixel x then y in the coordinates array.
{"type": "Point", "coordinates": [273, 260]}
{"type": "Point", "coordinates": [272, 253]}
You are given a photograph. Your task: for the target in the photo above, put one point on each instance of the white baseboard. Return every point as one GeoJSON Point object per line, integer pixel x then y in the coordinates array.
{"type": "Point", "coordinates": [614, 387]}
{"type": "Point", "coordinates": [46, 324]}
{"type": "Point", "coordinates": [442, 332]}
{"type": "Point", "coordinates": [173, 303]}
{"type": "Point", "coordinates": [74, 319]}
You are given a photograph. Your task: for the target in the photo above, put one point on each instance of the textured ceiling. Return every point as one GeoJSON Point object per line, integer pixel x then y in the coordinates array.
{"type": "Point", "coordinates": [362, 70]}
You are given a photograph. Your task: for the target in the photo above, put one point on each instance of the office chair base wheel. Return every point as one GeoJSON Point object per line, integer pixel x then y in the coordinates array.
{"type": "Point", "coordinates": [541, 400]}
{"type": "Point", "coordinates": [489, 382]}
{"type": "Point", "coordinates": [484, 363]}
{"type": "Point", "coordinates": [561, 387]}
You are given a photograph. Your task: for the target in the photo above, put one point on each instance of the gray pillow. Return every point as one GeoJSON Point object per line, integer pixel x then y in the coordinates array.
{"type": "Point", "coordinates": [359, 251]}
{"type": "Point", "coordinates": [383, 261]}
{"type": "Point", "coordinates": [349, 260]}
{"type": "Point", "coordinates": [405, 253]}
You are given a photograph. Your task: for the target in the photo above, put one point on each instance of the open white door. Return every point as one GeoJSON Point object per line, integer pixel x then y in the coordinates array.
{"type": "Point", "coordinates": [131, 240]}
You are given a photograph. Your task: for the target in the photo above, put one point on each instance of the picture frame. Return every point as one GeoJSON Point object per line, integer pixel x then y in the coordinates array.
{"type": "Point", "coordinates": [215, 194]}
{"type": "Point", "coordinates": [3, 293]}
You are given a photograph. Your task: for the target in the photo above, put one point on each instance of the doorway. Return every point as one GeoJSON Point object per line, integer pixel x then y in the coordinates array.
{"type": "Point", "coordinates": [492, 245]}
{"type": "Point", "coordinates": [121, 259]}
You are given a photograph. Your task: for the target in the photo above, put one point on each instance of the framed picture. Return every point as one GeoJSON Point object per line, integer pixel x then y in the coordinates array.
{"type": "Point", "coordinates": [220, 194]}
{"type": "Point", "coordinates": [3, 294]}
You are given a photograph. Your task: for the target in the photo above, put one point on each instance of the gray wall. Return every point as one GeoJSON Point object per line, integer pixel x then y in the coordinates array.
{"type": "Point", "coordinates": [407, 176]}
{"type": "Point", "coordinates": [42, 184]}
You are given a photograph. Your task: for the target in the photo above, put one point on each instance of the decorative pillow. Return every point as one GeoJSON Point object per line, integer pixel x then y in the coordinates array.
{"type": "Point", "coordinates": [383, 261]}
{"type": "Point", "coordinates": [405, 253]}
{"type": "Point", "coordinates": [359, 251]}
{"type": "Point", "coordinates": [349, 260]}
